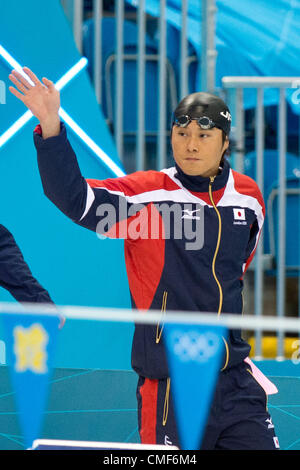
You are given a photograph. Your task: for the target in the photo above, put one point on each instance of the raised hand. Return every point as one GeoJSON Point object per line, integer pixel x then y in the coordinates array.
{"type": "Point", "coordinates": [41, 98]}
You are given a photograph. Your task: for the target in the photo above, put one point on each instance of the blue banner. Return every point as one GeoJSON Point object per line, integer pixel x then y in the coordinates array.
{"type": "Point", "coordinates": [194, 357]}
{"type": "Point", "coordinates": [30, 346]}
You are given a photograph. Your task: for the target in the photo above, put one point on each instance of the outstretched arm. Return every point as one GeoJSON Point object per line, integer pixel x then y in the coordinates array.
{"type": "Point", "coordinates": [61, 177]}
{"type": "Point", "coordinates": [60, 174]}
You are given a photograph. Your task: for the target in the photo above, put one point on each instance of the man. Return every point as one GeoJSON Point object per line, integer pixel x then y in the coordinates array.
{"type": "Point", "coordinates": [199, 199]}
{"type": "Point", "coordinates": [15, 275]}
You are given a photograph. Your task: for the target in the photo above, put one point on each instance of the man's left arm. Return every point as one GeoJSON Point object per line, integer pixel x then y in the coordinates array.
{"type": "Point", "coordinates": [255, 229]}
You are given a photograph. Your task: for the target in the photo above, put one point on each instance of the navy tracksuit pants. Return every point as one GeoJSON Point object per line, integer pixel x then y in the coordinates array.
{"type": "Point", "coordinates": [238, 418]}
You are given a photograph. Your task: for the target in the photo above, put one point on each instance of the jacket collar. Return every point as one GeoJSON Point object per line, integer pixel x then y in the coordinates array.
{"type": "Point", "coordinates": [200, 183]}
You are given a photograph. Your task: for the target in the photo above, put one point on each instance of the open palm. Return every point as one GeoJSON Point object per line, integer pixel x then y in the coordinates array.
{"type": "Point", "coordinates": [41, 98]}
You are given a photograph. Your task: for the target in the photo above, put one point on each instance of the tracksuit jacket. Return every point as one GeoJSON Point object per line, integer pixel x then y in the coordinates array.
{"type": "Point", "coordinates": [164, 272]}
{"type": "Point", "coordinates": [15, 274]}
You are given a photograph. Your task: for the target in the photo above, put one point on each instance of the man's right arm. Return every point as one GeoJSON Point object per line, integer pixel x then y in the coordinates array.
{"type": "Point", "coordinates": [61, 177]}
{"type": "Point", "coordinates": [104, 206]}
{"type": "Point", "coordinates": [60, 174]}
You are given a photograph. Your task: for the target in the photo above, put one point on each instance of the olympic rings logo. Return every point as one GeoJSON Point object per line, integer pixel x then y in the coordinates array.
{"type": "Point", "coordinates": [195, 347]}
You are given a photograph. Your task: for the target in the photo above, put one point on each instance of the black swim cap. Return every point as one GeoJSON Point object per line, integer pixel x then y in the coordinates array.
{"type": "Point", "coordinates": [201, 104]}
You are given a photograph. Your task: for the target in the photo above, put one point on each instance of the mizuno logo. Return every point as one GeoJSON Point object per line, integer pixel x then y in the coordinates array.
{"type": "Point", "coordinates": [167, 441]}
{"type": "Point", "coordinates": [189, 214]}
{"type": "Point", "coordinates": [226, 115]}
{"type": "Point", "coordinates": [270, 424]}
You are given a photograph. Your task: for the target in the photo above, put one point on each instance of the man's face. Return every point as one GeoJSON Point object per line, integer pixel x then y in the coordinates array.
{"type": "Point", "coordinates": [198, 151]}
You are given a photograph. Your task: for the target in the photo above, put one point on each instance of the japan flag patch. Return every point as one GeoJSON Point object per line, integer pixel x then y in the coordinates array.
{"type": "Point", "coordinates": [239, 214]}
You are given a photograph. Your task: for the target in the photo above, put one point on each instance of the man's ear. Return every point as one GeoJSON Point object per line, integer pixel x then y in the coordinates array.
{"type": "Point", "coordinates": [226, 143]}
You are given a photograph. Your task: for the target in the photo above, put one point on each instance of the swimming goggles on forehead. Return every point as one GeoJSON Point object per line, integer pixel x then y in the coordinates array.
{"type": "Point", "coordinates": [204, 122]}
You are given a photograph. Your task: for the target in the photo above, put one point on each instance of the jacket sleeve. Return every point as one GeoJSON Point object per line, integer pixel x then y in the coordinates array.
{"type": "Point", "coordinates": [255, 229]}
{"type": "Point", "coordinates": [99, 205]}
{"type": "Point", "coordinates": [15, 274]}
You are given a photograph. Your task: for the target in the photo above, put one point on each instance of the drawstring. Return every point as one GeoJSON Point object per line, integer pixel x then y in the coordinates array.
{"type": "Point", "coordinates": [166, 404]}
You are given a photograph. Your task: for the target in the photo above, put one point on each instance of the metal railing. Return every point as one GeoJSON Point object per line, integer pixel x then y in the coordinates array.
{"type": "Point", "coordinates": [74, 11]}
{"type": "Point", "coordinates": [178, 83]}
{"type": "Point", "coordinates": [234, 87]}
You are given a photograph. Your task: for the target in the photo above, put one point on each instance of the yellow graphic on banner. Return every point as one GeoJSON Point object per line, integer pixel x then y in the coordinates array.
{"type": "Point", "coordinates": [30, 349]}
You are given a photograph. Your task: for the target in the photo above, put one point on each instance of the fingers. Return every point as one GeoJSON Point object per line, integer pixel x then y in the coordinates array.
{"type": "Point", "coordinates": [36, 81]}
{"type": "Point", "coordinates": [23, 84]}
{"type": "Point", "coordinates": [20, 79]}
{"type": "Point", "coordinates": [16, 93]}
{"type": "Point", "coordinates": [48, 83]}
{"type": "Point", "coordinates": [18, 84]}
{"type": "Point", "coordinates": [32, 76]}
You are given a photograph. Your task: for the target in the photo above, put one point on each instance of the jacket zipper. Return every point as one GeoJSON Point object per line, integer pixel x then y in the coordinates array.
{"type": "Point", "coordinates": [212, 178]}
{"type": "Point", "coordinates": [164, 303]}
{"type": "Point", "coordinates": [218, 245]}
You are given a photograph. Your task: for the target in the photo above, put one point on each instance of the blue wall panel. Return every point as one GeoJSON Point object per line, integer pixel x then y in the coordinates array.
{"type": "Point", "coordinates": [72, 263]}
{"type": "Point", "coordinates": [69, 261]}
